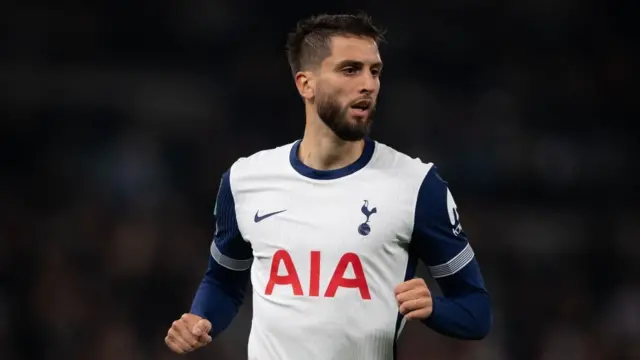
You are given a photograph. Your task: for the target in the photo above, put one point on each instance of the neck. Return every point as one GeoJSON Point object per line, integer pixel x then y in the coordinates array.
{"type": "Point", "coordinates": [321, 149]}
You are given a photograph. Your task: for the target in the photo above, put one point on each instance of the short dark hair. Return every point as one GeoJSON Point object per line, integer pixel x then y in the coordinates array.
{"type": "Point", "coordinates": [310, 42]}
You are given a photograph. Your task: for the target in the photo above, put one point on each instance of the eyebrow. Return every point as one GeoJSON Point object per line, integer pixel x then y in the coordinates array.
{"type": "Point", "coordinates": [357, 64]}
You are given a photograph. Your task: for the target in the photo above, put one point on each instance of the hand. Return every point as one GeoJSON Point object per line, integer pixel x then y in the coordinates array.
{"type": "Point", "coordinates": [188, 333]}
{"type": "Point", "coordinates": [414, 299]}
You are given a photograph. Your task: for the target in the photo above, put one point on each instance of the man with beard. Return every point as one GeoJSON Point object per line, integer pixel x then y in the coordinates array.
{"type": "Point", "coordinates": [330, 228]}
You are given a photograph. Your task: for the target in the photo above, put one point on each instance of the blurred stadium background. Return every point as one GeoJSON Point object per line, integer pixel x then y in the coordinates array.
{"type": "Point", "coordinates": [119, 117]}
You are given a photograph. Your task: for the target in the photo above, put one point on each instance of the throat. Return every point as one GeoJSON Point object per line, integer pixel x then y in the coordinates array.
{"type": "Point", "coordinates": [329, 155]}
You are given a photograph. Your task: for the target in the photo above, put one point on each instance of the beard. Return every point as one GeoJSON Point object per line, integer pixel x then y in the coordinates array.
{"type": "Point", "coordinates": [336, 117]}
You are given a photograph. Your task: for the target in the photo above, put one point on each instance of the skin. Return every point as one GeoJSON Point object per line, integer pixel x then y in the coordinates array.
{"type": "Point", "coordinates": [188, 333]}
{"type": "Point", "coordinates": [350, 73]}
{"type": "Point", "coordinates": [333, 138]}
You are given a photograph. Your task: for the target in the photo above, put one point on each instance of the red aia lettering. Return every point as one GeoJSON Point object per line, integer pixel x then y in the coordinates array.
{"type": "Point", "coordinates": [337, 279]}
{"type": "Point", "coordinates": [291, 278]}
{"type": "Point", "coordinates": [314, 277]}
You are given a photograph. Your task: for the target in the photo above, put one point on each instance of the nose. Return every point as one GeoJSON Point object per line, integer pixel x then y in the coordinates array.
{"type": "Point", "coordinates": [369, 83]}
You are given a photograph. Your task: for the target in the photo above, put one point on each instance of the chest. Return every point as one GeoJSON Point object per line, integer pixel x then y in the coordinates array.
{"type": "Point", "coordinates": [335, 219]}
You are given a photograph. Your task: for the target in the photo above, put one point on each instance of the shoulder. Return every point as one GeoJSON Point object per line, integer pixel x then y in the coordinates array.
{"type": "Point", "coordinates": [259, 166]}
{"type": "Point", "coordinates": [421, 180]}
{"type": "Point", "coordinates": [401, 165]}
{"type": "Point", "coordinates": [263, 159]}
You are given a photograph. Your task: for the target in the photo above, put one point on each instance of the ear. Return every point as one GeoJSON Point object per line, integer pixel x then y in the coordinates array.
{"type": "Point", "coordinates": [306, 84]}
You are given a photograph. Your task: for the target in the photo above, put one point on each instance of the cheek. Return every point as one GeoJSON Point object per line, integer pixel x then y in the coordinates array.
{"type": "Point", "coordinates": [342, 96]}
{"type": "Point", "coordinates": [329, 92]}
{"type": "Point", "coordinates": [334, 86]}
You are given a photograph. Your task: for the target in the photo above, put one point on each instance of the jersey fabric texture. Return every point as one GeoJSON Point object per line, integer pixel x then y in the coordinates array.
{"type": "Point", "coordinates": [324, 251]}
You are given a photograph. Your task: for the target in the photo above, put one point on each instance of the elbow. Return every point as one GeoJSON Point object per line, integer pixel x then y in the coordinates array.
{"type": "Point", "coordinates": [468, 318]}
{"type": "Point", "coordinates": [482, 330]}
{"type": "Point", "coordinates": [483, 320]}
{"type": "Point", "coordinates": [479, 317]}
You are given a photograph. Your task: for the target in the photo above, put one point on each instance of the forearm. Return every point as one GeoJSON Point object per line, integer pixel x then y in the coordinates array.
{"type": "Point", "coordinates": [467, 317]}
{"type": "Point", "coordinates": [464, 312]}
{"type": "Point", "coordinates": [220, 295]}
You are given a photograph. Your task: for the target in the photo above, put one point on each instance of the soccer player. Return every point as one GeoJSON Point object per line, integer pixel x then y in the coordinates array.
{"type": "Point", "coordinates": [330, 228]}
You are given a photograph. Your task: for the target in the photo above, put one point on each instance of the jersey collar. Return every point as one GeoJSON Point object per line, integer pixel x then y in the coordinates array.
{"type": "Point", "coordinates": [304, 170]}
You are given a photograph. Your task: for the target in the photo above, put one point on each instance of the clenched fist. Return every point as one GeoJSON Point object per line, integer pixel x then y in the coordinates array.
{"type": "Point", "coordinates": [414, 299]}
{"type": "Point", "coordinates": [188, 333]}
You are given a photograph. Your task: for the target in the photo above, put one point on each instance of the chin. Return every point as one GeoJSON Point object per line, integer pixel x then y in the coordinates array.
{"type": "Point", "coordinates": [354, 133]}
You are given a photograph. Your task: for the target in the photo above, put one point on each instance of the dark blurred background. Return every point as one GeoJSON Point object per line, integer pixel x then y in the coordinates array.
{"type": "Point", "coordinates": [119, 117]}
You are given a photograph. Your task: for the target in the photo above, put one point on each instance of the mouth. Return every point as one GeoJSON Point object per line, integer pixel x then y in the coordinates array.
{"type": "Point", "coordinates": [361, 107]}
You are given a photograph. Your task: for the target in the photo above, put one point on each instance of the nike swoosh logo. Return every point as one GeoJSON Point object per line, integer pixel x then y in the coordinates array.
{"type": "Point", "coordinates": [259, 218]}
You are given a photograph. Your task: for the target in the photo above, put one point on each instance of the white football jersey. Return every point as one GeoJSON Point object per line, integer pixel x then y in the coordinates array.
{"type": "Point", "coordinates": [327, 248]}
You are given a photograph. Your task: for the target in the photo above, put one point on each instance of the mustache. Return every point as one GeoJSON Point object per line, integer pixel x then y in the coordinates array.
{"type": "Point", "coordinates": [368, 100]}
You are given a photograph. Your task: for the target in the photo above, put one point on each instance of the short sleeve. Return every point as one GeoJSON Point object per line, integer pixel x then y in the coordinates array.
{"type": "Point", "coordinates": [438, 238]}
{"type": "Point", "coordinates": [228, 248]}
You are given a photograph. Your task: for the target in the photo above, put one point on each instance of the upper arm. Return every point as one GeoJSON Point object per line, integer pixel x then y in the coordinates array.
{"type": "Point", "coordinates": [228, 248]}
{"type": "Point", "coordinates": [438, 239]}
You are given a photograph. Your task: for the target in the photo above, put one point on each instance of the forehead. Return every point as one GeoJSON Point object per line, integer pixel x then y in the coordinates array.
{"type": "Point", "coordinates": [354, 48]}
